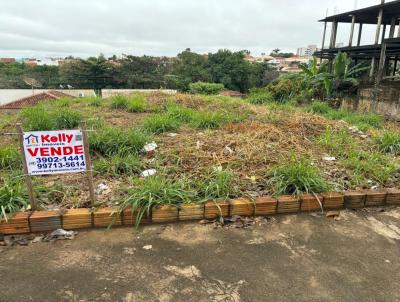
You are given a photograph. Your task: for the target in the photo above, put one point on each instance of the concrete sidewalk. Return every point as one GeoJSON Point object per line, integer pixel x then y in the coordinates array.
{"type": "Point", "coordinates": [305, 257]}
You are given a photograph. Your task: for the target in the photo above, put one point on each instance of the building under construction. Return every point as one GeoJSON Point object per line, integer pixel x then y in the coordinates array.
{"type": "Point", "coordinates": [384, 54]}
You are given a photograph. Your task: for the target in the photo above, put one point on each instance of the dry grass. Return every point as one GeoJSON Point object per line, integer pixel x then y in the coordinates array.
{"type": "Point", "coordinates": [269, 135]}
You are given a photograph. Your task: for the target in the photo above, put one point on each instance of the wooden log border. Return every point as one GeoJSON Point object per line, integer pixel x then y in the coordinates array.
{"type": "Point", "coordinates": [84, 218]}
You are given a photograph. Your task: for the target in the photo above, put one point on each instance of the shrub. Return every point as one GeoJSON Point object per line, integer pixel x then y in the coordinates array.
{"type": "Point", "coordinates": [119, 165]}
{"type": "Point", "coordinates": [389, 142]}
{"type": "Point", "coordinates": [37, 118]}
{"type": "Point", "coordinates": [320, 107]}
{"type": "Point", "coordinates": [136, 104]}
{"type": "Point", "coordinates": [13, 197]}
{"type": "Point", "coordinates": [112, 141]}
{"type": "Point", "coordinates": [219, 184]}
{"type": "Point", "coordinates": [260, 96]}
{"type": "Point", "coordinates": [119, 102]}
{"type": "Point", "coordinates": [286, 87]}
{"type": "Point", "coordinates": [67, 119]}
{"type": "Point", "coordinates": [295, 177]}
{"type": "Point", "coordinates": [205, 88]}
{"type": "Point", "coordinates": [155, 190]}
{"type": "Point", "coordinates": [159, 123]}
{"type": "Point", "coordinates": [10, 158]}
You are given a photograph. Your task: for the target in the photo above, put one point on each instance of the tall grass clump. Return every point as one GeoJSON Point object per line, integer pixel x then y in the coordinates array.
{"type": "Point", "coordinates": [208, 120]}
{"type": "Point", "coordinates": [67, 119]}
{"type": "Point", "coordinates": [320, 107]}
{"type": "Point", "coordinates": [136, 103]}
{"type": "Point", "coordinates": [295, 177]}
{"type": "Point", "coordinates": [181, 113]}
{"type": "Point", "coordinates": [161, 122]}
{"type": "Point", "coordinates": [13, 197]}
{"type": "Point", "coordinates": [389, 142]}
{"type": "Point", "coordinates": [62, 102]}
{"type": "Point", "coordinates": [37, 118]}
{"type": "Point", "coordinates": [146, 193]}
{"type": "Point", "coordinates": [119, 164]}
{"type": "Point", "coordinates": [94, 101]}
{"type": "Point", "coordinates": [10, 158]}
{"type": "Point", "coordinates": [119, 102]}
{"type": "Point", "coordinates": [112, 141]}
{"type": "Point", "coordinates": [260, 96]}
{"type": "Point", "coordinates": [218, 184]}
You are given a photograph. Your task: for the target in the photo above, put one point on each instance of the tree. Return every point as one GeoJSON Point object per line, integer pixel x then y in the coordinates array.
{"type": "Point", "coordinates": [230, 69]}
{"type": "Point", "coordinates": [189, 67]}
{"type": "Point", "coordinates": [96, 73]}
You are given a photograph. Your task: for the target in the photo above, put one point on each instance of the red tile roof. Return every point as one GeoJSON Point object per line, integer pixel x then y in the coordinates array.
{"type": "Point", "coordinates": [7, 60]}
{"type": "Point", "coordinates": [34, 99]}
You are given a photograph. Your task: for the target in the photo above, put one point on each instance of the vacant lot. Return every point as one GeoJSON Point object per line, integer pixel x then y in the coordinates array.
{"type": "Point", "coordinates": [208, 147]}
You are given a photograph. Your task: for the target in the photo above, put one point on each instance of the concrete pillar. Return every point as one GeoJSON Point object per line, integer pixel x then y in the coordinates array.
{"type": "Point", "coordinates": [383, 33]}
{"type": "Point", "coordinates": [392, 28]}
{"type": "Point", "coordinates": [359, 34]}
{"type": "Point", "coordinates": [353, 20]}
{"type": "Point", "coordinates": [378, 26]}
{"type": "Point", "coordinates": [378, 31]}
{"type": "Point", "coordinates": [333, 34]}
{"type": "Point", "coordinates": [323, 36]}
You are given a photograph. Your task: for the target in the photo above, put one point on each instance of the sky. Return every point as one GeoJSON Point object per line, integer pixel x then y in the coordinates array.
{"type": "Point", "coordinates": [40, 28]}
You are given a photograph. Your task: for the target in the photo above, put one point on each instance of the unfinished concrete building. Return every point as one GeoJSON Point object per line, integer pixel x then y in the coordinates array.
{"type": "Point", "coordinates": [383, 93]}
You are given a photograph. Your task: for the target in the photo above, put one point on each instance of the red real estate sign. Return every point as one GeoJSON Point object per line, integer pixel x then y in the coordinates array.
{"type": "Point", "coordinates": [54, 152]}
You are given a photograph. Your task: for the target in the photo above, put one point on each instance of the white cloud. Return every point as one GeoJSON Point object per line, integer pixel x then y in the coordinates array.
{"type": "Point", "coordinates": [161, 27]}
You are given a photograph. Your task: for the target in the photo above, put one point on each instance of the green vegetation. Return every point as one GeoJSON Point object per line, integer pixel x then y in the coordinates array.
{"type": "Point", "coordinates": [155, 190]}
{"type": "Point", "coordinates": [37, 118]}
{"type": "Point", "coordinates": [94, 101]}
{"type": "Point", "coordinates": [136, 103]}
{"type": "Point", "coordinates": [260, 96]}
{"type": "Point", "coordinates": [389, 142]}
{"type": "Point", "coordinates": [67, 119]}
{"type": "Point", "coordinates": [320, 107]}
{"type": "Point", "coordinates": [180, 113]}
{"type": "Point", "coordinates": [295, 177]}
{"type": "Point", "coordinates": [113, 141]}
{"type": "Point", "coordinates": [10, 158]}
{"type": "Point", "coordinates": [205, 88]}
{"type": "Point", "coordinates": [366, 165]}
{"type": "Point", "coordinates": [209, 120]}
{"type": "Point", "coordinates": [219, 184]}
{"type": "Point", "coordinates": [363, 121]}
{"type": "Point", "coordinates": [337, 143]}
{"type": "Point", "coordinates": [63, 102]}
{"type": "Point", "coordinates": [12, 197]}
{"type": "Point", "coordinates": [128, 164]}
{"type": "Point", "coordinates": [119, 102]}
{"type": "Point", "coordinates": [161, 122]}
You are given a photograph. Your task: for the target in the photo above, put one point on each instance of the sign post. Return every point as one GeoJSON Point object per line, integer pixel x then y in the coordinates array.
{"type": "Point", "coordinates": [55, 152]}
{"type": "Point", "coordinates": [89, 170]}
{"type": "Point", "coordinates": [28, 178]}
